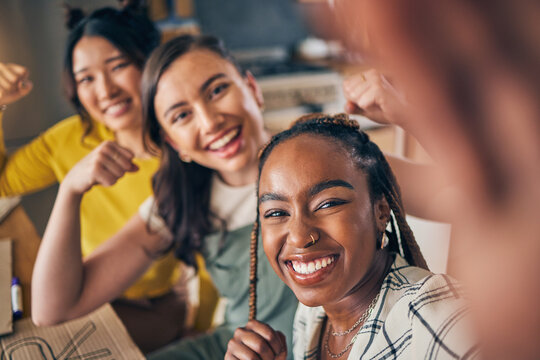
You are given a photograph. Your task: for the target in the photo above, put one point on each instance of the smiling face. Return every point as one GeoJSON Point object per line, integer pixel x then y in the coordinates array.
{"type": "Point", "coordinates": [310, 185]}
{"type": "Point", "coordinates": [211, 114]}
{"type": "Point", "coordinates": [107, 83]}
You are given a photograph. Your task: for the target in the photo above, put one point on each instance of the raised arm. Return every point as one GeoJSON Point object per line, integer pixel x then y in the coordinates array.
{"type": "Point", "coordinates": [65, 286]}
{"type": "Point", "coordinates": [28, 169]}
{"type": "Point", "coordinates": [426, 192]}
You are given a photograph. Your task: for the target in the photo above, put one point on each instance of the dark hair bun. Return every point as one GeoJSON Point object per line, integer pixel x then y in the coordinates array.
{"type": "Point", "coordinates": [73, 16]}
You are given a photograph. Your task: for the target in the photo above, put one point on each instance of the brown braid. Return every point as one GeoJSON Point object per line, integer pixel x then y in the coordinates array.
{"type": "Point", "coordinates": [253, 270]}
{"type": "Point", "coordinates": [411, 251]}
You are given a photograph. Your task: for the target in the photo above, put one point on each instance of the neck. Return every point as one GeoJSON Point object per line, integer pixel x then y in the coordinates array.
{"type": "Point", "coordinates": [344, 313]}
{"type": "Point", "coordinates": [240, 178]}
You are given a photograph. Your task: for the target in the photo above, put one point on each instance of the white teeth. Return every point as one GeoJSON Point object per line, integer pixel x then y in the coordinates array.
{"type": "Point", "coordinates": [311, 266]}
{"type": "Point", "coordinates": [224, 140]}
{"type": "Point", "coordinates": [116, 107]}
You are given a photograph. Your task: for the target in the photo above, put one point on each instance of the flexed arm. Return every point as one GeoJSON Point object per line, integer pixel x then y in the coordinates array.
{"type": "Point", "coordinates": [29, 168]}
{"type": "Point", "coordinates": [426, 192]}
{"type": "Point", "coordinates": [14, 83]}
{"type": "Point", "coordinates": [64, 286]}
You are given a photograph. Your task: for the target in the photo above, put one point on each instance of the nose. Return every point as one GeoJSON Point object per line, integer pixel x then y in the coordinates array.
{"type": "Point", "coordinates": [106, 88]}
{"type": "Point", "coordinates": [302, 232]}
{"type": "Point", "coordinates": [209, 120]}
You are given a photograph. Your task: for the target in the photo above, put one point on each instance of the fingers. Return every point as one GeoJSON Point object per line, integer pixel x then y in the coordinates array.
{"type": "Point", "coordinates": [14, 83]}
{"type": "Point", "coordinates": [103, 166]}
{"type": "Point", "coordinates": [119, 157]}
{"type": "Point", "coordinates": [112, 161]}
{"type": "Point", "coordinates": [357, 87]}
{"type": "Point", "coordinates": [352, 108]}
{"type": "Point", "coordinates": [257, 341]}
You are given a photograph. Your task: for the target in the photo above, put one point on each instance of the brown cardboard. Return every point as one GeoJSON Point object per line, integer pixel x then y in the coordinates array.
{"type": "Point", "coordinates": [6, 316]}
{"type": "Point", "coordinates": [100, 335]}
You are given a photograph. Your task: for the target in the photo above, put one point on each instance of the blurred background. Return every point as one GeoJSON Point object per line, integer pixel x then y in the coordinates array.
{"type": "Point", "coordinates": [288, 45]}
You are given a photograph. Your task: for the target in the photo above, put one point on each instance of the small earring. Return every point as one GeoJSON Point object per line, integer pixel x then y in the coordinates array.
{"type": "Point", "coordinates": [384, 240]}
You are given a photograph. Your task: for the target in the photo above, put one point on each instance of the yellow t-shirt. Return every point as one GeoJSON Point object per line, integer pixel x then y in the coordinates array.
{"type": "Point", "coordinates": [104, 210]}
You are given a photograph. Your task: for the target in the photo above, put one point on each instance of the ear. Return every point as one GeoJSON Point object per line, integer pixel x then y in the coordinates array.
{"type": "Point", "coordinates": [381, 212]}
{"type": "Point", "coordinates": [254, 87]}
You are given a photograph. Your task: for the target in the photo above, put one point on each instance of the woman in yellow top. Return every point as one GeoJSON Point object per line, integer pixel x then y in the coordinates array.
{"type": "Point", "coordinates": [105, 53]}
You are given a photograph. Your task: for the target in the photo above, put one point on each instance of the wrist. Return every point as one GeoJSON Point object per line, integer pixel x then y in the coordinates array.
{"type": "Point", "coordinates": [69, 191]}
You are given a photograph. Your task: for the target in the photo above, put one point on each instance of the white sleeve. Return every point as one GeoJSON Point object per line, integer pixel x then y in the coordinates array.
{"type": "Point", "coordinates": [149, 213]}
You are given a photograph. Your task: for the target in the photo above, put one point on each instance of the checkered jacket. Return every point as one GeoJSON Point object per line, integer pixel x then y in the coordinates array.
{"type": "Point", "coordinates": [418, 316]}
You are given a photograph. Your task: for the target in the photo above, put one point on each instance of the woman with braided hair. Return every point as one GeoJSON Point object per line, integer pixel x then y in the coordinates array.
{"type": "Point", "coordinates": [334, 230]}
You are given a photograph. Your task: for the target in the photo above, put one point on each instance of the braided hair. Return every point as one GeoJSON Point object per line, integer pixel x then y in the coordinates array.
{"type": "Point", "coordinates": [368, 157]}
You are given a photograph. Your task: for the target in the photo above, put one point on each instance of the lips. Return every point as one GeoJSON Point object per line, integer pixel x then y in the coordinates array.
{"type": "Point", "coordinates": [311, 271]}
{"type": "Point", "coordinates": [224, 140]}
{"type": "Point", "coordinates": [311, 266]}
{"type": "Point", "coordinates": [118, 108]}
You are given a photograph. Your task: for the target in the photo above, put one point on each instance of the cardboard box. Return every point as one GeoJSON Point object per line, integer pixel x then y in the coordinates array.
{"type": "Point", "coordinates": [99, 335]}
{"type": "Point", "coordinates": [6, 315]}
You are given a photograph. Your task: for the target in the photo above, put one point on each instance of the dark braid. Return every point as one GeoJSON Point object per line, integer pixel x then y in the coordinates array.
{"type": "Point", "coordinates": [253, 269]}
{"type": "Point", "coordinates": [369, 158]}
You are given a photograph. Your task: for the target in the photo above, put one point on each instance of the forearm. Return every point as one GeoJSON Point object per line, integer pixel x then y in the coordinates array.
{"type": "Point", "coordinates": [425, 191]}
{"type": "Point", "coordinates": [58, 272]}
{"type": "Point", "coordinates": [64, 285]}
{"type": "Point", "coordinates": [26, 170]}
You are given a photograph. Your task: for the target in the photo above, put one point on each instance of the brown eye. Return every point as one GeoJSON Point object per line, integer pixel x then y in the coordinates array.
{"type": "Point", "coordinates": [218, 90]}
{"type": "Point", "coordinates": [274, 213]}
{"type": "Point", "coordinates": [180, 117]}
{"type": "Point", "coordinates": [331, 203]}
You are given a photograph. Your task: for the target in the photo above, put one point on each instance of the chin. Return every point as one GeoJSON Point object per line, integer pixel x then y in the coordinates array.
{"type": "Point", "coordinates": [309, 298]}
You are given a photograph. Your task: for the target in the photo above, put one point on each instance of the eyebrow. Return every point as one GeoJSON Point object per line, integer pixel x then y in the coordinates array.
{"type": "Point", "coordinates": [107, 61]}
{"type": "Point", "coordinates": [271, 196]}
{"type": "Point", "coordinates": [317, 188]}
{"type": "Point", "coordinates": [202, 89]}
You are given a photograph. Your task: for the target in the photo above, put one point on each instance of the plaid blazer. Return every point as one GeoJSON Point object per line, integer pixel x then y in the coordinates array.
{"type": "Point", "coordinates": [418, 315]}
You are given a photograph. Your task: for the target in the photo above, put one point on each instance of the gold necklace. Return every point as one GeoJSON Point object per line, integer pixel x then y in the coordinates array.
{"type": "Point", "coordinates": [362, 318]}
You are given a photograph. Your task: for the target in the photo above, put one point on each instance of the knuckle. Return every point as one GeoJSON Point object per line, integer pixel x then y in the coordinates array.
{"type": "Point", "coordinates": [239, 332]}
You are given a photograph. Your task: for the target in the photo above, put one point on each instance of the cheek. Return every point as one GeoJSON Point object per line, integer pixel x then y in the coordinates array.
{"type": "Point", "coordinates": [272, 246]}
{"type": "Point", "coordinates": [132, 83]}
{"type": "Point", "coordinates": [85, 96]}
{"type": "Point", "coordinates": [353, 231]}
